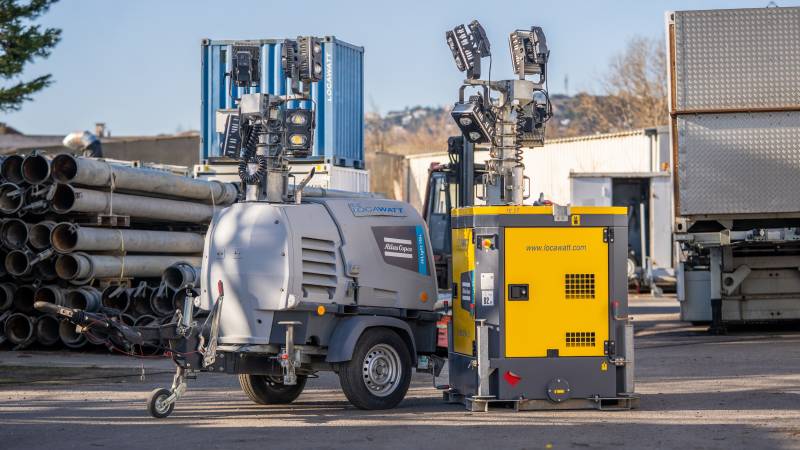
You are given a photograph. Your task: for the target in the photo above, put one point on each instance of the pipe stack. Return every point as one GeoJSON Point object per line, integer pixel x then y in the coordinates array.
{"type": "Point", "coordinates": [100, 236]}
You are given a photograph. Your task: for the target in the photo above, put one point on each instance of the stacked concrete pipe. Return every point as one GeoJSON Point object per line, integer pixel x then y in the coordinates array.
{"type": "Point", "coordinates": [102, 236]}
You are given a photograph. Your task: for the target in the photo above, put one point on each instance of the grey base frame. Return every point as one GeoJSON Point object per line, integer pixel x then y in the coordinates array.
{"type": "Point", "coordinates": [478, 404]}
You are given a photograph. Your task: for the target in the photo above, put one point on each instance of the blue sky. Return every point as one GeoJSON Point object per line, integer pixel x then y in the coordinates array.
{"type": "Point", "coordinates": [135, 64]}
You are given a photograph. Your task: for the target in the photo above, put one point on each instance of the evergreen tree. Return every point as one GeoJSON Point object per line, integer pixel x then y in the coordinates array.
{"type": "Point", "coordinates": [20, 42]}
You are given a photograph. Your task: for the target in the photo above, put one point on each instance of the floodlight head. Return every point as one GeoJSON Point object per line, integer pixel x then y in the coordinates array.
{"type": "Point", "coordinates": [468, 47]}
{"type": "Point", "coordinates": [474, 121]}
{"type": "Point", "coordinates": [299, 125]}
{"type": "Point", "coordinates": [310, 57]}
{"type": "Point", "coordinates": [529, 53]}
{"type": "Point", "coordinates": [480, 38]}
{"type": "Point", "coordinates": [245, 66]}
{"type": "Point", "coordinates": [289, 59]}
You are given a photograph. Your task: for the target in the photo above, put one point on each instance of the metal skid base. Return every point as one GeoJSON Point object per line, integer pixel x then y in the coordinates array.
{"type": "Point", "coordinates": [482, 404]}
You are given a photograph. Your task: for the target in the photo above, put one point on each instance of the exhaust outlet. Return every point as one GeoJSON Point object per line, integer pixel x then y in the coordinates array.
{"type": "Point", "coordinates": [35, 169]}
{"type": "Point", "coordinates": [47, 330]}
{"type": "Point", "coordinates": [19, 329]}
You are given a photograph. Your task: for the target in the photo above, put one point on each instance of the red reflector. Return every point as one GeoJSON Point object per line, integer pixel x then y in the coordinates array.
{"type": "Point", "coordinates": [284, 356]}
{"type": "Point", "coordinates": [220, 288]}
{"type": "Point", "coordinates": [512, 378]}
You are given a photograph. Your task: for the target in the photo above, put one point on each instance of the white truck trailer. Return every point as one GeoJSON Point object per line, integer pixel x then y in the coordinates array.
{"type": "Point", "coordinates": [734, 78]}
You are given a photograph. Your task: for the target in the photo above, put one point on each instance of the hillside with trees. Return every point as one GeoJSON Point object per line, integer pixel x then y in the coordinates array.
{"type": "Point", "coordinates": [633, 95]}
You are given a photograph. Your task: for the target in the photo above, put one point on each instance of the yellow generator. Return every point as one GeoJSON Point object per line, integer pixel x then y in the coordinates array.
{"type": "Point", "coordinates": [540, 311]}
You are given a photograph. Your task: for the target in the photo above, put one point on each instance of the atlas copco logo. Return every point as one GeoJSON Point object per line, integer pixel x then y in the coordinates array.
{"type": "Point", "coordinates": [376, 210]}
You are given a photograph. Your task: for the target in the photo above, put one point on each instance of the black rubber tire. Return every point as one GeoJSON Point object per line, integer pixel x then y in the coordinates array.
{"type": "Point", "coordinates": [154, 396]}
{"type": "Point", "coordinates": [260, 389]}
{"type": "Point", "coordinates": [351, 374]}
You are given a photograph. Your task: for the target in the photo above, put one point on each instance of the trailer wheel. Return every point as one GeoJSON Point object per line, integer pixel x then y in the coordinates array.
{"type": "Point", "coordinates": [267, 390]}
{"type": "Point", "coordinates": [156, 405]}
{"type": "Point", "coordinates": [379, 373]}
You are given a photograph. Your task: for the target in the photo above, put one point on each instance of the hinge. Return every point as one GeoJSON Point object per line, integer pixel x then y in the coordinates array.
{"type": "Point", "coordinates": [609, 347]}
{"type": "Point", "coordinates": [608, 235]}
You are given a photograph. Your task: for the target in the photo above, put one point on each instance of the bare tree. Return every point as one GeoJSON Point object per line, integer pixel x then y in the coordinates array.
{"type": "Point", "coordinates": [637, 78]}
{"type": "Point", "coordinates": [634, 95]}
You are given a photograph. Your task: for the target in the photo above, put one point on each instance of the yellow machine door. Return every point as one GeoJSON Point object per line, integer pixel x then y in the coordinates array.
{"type": "Point", "coordinates": [463, 301]}
{"type": "Point", "coordinates": [556, 286]}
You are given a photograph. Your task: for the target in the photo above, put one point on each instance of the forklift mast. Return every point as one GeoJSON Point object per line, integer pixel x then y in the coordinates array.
{"type": "Point", "coordinates": [449, 186]}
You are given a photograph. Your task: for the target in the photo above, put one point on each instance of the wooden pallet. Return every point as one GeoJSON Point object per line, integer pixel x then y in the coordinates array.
{"type": "Point", "coordinates": [482, 404]}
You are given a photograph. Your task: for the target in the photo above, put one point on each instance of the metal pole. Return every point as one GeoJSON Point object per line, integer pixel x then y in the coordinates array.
{"type": "Point", "coordinates": [68, 199]}
{"type": "Point", "coordinates": [82, 266]}
{"type": "Point", "coordinates": [67, 168]}
{"type": "Point", "coordinates": [68, 237]}
{"type": "Point", "coordinates": [12, 196]}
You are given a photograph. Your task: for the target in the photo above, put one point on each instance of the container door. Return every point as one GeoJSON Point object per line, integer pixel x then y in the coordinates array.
{"type": "Point", "coordinates": [556, 286]}
{"type": "Point", "coordinates": [661, 222]}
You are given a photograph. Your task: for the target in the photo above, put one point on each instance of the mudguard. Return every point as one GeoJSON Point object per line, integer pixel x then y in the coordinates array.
{"type": "Point", "coordinates": [345, 336]}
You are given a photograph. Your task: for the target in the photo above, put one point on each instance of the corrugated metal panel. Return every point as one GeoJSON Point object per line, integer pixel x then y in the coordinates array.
{"type": "Point", "coordinates": [339, 97]}
{"type": "Point", "coordinates": [737, 58]}
{"type": "Point", "coordinates": [739, 163]}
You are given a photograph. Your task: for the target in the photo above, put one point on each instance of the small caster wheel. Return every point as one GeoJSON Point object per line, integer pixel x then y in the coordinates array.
{"type": "Point", "coordinates": [156, 403]}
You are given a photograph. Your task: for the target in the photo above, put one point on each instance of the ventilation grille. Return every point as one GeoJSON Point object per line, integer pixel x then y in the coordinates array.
{"type": "Point", "coordinates": [319, 267]}
{"type": "Point", "coordinates": [579, 286]}
{"type": "Point", "coordinates": [580, 339]}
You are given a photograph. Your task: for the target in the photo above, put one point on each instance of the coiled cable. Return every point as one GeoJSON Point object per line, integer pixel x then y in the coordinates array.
{"type": "Point", "coordinates": [520, 134]}
{"type": "Point", "coordinates": [244, 168]}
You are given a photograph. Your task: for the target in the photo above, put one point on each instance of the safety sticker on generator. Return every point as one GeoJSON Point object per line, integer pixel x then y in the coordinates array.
{"type": "Point", "coordinates": [403, 247]}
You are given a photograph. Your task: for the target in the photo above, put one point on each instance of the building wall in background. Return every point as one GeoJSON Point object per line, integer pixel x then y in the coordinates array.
{"type": "Point", "coordinates": [174, 150]}
{"type": "Point", "coordinates": [549, 167]}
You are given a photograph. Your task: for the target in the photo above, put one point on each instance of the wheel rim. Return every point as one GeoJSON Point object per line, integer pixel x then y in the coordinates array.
{"type": "Point", "coordinates": [381, 370]}
{"type": "Point", "coordinates": [161, 404]}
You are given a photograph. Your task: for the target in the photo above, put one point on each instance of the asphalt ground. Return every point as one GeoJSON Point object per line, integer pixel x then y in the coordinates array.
{"type": "Point", "coordinates": [697, 391]}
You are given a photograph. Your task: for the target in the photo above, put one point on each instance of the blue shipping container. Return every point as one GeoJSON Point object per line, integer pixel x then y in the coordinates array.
{"type": "Point", "coordinates": [339, 97]}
